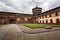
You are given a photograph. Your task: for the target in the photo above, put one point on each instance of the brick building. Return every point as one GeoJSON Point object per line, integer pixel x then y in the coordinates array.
{"type": "Point", "coordinates": [9, 17]}
{"type": "Point", "coordinates": [51, 16]}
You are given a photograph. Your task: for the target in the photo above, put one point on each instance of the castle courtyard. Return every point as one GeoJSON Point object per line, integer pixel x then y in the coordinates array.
{"type": "Point", "coordinates": [29, 19]}
{"type": "Point", "coordinates": [19, 32]}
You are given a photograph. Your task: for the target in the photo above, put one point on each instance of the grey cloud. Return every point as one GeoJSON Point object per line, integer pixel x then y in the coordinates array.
{"type": "Point", "coordinates": [25, 6]}
{"type": "Point", "coordinates": [4, 7]}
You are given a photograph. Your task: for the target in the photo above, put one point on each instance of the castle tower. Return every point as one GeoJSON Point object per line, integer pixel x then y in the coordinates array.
{"type": "Point", "coordinates": [36, 11]}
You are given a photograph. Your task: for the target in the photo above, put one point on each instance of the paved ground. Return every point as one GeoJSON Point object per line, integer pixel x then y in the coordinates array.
{"type": "Point", "coordinates": [14, 32]}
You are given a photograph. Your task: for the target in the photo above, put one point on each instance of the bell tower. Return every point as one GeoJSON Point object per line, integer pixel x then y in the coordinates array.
{"type": "Point", "coordinates": [36, 11]}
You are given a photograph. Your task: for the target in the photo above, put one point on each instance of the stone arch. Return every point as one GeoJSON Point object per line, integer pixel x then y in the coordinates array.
{"type": "Point", "coordinates": [51, 21]}
{"type": "Point", "coordinates": [43, 21]}
{"type": "Point", "coordinates": [12, 21]}
{"type": "Point", "coordinates": [40, 21]}
{"type": "Point", "coordinates": [57, 20]}
{"type": "Point", "coordinates": [46, 21]}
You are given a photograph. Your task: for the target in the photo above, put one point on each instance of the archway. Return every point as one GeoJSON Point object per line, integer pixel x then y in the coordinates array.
{"type": "Point", "coordinates": [46, 21]}
{"type": "Point", "coordinates": [40, 21]}
{"type": "Point", "coordinates": [43, 21]}
{"type": "Point", "coordinates": [51, 21]}
{"type": "Point", "coordinates": [57, 20]}
{"type": "Point", "coordinates": [12, 21]}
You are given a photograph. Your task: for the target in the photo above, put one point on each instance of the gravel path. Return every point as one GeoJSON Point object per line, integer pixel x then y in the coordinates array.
{"type": "Point", "coordinates": [13, 32]}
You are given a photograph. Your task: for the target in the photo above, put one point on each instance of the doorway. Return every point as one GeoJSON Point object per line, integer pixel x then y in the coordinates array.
{"type": "Point", "coordinates": [12, 21]}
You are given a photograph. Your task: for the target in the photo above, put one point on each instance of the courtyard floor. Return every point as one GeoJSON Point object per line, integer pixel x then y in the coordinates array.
{"type": "Point", "coordinates": [19, 32]}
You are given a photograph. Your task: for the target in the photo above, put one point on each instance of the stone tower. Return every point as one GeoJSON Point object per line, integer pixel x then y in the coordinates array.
{"type": "Point", "coordinates": [36, 11]}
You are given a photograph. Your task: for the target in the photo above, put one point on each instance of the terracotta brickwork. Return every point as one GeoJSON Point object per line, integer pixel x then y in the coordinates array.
{"type": "Point", "coordinates": [8, 17]}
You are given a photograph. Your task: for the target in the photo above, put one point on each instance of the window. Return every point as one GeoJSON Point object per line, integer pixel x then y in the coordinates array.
{"type": "Point", "coordinates": [50, 15]}
{"type": "Point", "coordinates": [56, 14]}
{"type": "Point", "coordinates": [45, 16]}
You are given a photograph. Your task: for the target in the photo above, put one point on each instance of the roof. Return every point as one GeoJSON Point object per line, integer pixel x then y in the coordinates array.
{"type": "Point", "coordinates": [50, 11]}
{"type": "Point", "coordinates": [36, 8]}
{"type": "Point", "coordinates": [16, 13]}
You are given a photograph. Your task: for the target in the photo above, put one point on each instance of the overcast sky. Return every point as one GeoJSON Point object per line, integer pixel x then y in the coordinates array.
{"type": "Point", "coordinates": [25, 6]}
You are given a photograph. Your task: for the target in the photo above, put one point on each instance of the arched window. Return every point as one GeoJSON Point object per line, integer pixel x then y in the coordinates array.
{"type": "Point", "coordinates": [51, 21]}
{"type": "Point", "coordinates": [57, 20]}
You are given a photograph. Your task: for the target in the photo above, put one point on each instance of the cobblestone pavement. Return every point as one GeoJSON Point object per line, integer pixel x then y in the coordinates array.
{"type": "Point", "coordinates": [13, 32]}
